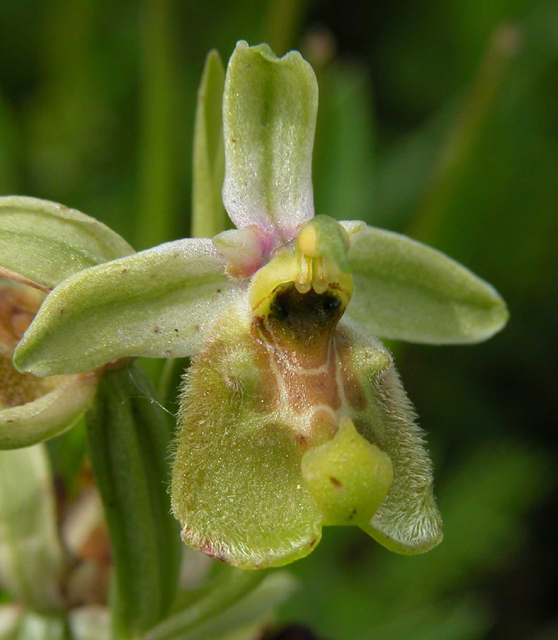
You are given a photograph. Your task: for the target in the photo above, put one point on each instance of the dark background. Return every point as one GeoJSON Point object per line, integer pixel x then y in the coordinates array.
{"type": "Point", "coordinates": [438, 119]}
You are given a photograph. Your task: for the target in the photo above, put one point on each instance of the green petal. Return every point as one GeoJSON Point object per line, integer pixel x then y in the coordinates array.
{"type": "Point", "coordinates": [270, 107]}
{"type": "Point", "coordinates": [408, 520]}
{"type": "Point", "coordinates": [48, 416]}
{"type": "Point", "coordinates": [208, 215]}
{"type": "Point", "coordinates": [405, 290]}
{"type": "Point", "coordinates": [47, 242]}
{"type": "Point", "coordinates": [237, 485]}
{"type": "Point", "coordinates": [155, 303]}
{"type": "Point", "coordinates": [31, 556]}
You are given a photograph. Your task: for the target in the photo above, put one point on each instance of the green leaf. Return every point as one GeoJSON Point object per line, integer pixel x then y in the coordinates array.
{"type": "Point", "coordinates": [48, 416]}
{"type": "Point", "coordinates": [155, 303]}
{"type": "Point", "coordinates": [31, 556]}
{"type": "Point", "coordinates": [405, 290]}
{"type": "Point", "coordinates": [270, 107]}
{"type": "Point", "coordinates": [208, 214]}
{"type": "Point", "coordinates": [47, 242]}
{"type": "Point", "coordinates": [128, 439]}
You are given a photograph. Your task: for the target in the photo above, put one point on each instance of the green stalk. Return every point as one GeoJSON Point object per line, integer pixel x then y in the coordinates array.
{"type": "Point", "coordinates": [128, 438]}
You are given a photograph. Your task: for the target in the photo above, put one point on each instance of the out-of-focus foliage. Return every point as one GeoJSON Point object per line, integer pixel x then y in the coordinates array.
{"type": "Point", "coordinates": [436, 119]}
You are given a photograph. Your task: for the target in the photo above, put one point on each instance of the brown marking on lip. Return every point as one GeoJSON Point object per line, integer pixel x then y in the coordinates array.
{"type": "Point", "coordinates": [353, 389]}
{"type": "Point", "coordinates": [335, 482]}
{"type": "Point", "coordinates": [353, 514]}
{"type": "Point", "coordinates": [304, 390]}
{"type": "Point", "coordinates": [324, 424]}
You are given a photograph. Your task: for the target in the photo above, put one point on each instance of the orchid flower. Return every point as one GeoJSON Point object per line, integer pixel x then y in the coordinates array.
{"type": "Point", "coordinates": [292, 414]}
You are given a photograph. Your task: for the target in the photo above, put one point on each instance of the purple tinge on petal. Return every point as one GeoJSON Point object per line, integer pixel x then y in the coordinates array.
{"type": "Point", "coordinates": [246, 249]}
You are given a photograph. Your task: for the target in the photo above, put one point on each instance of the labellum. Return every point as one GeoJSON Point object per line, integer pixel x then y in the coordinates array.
{"type": "Point", "coordinates": [292, 418]}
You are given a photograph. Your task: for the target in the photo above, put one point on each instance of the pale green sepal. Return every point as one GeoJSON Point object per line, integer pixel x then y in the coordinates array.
{"type": "Point", "coordinates": [48, 416]}
{"type": "Point", "coordinates": [348, 477]}
{"type": "Point", "coordinates": [270, 107]}
{"type": "Point", "coordinates": [237, 485]}
{"type": "Point", "coordinates": [155, 303]}
{"type": "Point", "coordinates": [208, 214]}
{"type": "Point", "coordinates": [31, 556]}
{"type": "Point", "coordinates": [405, 290]}
{"type": "Point", "coordinates": [47, 242]}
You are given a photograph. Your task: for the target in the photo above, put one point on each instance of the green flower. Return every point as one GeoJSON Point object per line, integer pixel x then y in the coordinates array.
{"type": "Point", "coordinates": [292, 414]}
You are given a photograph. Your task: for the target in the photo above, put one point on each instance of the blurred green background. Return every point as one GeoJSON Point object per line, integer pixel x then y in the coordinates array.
{"type": "Point", "coordinates": [437, 119]}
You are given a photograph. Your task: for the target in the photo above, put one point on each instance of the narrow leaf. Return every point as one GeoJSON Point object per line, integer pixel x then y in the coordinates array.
{"type": "Point", "coordinates": [255, 608]}
{"type": "Point", "coordinates": [231, 587]}
{"type": "Point", "coordinates": [155, 303]}
{"type": "Point", "coordinates": [31, 556]}
{"type": "Point", "coordinates": [128, 440]}
{"type": "Point", "coordinates": [208, 214]}
{"type": "Point", "coordinates": [47, 242]}
{"type": "Point", "coordinates": [270, 107]}
{"type": "Point", "coordinates": [405, 290]}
